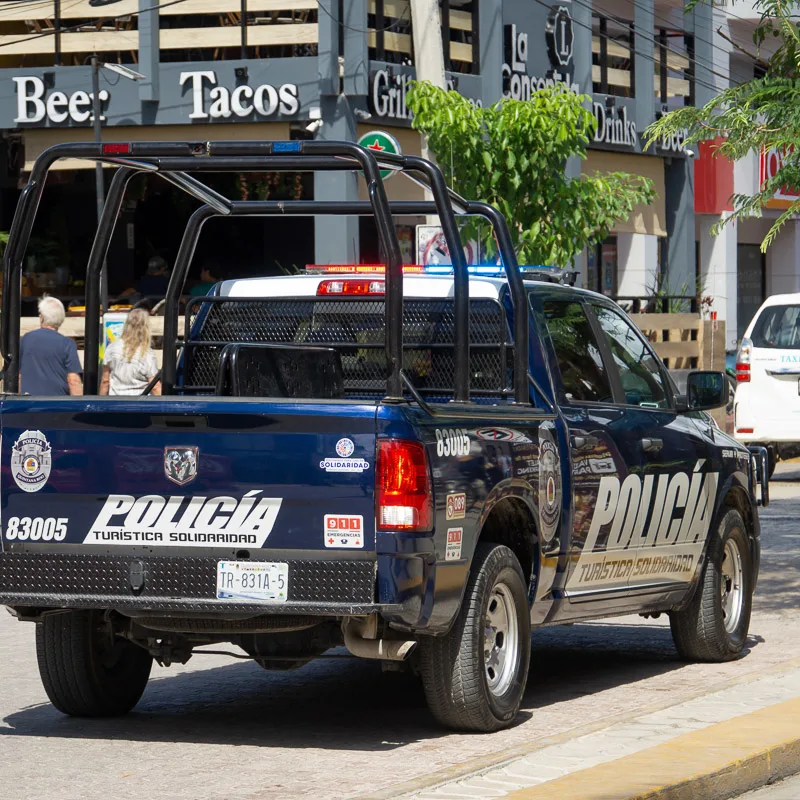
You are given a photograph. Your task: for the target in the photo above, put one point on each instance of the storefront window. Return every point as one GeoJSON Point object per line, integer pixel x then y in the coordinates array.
{"type": "Point", "coordinates": [601, 267]}
{"type": "Point", "coordinates": [612, 63]}
{"type": "Point", "coordinates": [390, 36]}
{"type": "Point", "coordinates": [750, 280]}
{"type": "Point", "coordinates": [211, 35]}
{"type": "Point", "coordinates": [674, 68]}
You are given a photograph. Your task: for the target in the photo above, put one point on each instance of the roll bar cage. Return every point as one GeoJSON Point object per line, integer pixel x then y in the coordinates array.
{"type": "Point", "coordinates": [173, 160]}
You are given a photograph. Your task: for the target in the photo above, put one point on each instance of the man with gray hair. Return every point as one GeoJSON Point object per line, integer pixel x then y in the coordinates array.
{"type": "Point", "coordinates": [48, 361]}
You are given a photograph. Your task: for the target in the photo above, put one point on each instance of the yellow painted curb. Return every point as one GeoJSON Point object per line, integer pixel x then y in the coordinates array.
{"type": "Point", "coordinates": [494, 759]}
{"type": "Point", "coordinates": [717, 762]}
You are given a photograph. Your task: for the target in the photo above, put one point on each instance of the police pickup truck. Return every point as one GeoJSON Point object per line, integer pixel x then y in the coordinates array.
{"type": "Point", "coordinates": [418, 466]}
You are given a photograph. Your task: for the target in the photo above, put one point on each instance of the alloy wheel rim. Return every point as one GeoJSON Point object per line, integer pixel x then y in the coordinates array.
{"type": "Point", "coordinates": [731, 585]}
{"type": "Point", "coordinates": [500, 640]}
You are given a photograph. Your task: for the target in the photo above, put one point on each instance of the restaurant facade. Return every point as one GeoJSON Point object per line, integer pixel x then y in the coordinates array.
{"type": "Point", "coordinates": [261, 69]}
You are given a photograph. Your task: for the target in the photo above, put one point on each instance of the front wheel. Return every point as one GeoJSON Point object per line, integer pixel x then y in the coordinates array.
{"type": "Point", "coordinates": [86, 671]}
{"type": "Point", "coordinates": [474, 677]}
{"type": "Point", "coordinates": [713, 627]}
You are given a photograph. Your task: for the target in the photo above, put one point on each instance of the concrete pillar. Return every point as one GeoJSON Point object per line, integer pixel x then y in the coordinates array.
{"type": "Point", "coordinates": [637, 264]}
{"type": "Point", "coordinates": [490, 20]}
{"type": "Point", "coordinates": [336, 238]}
{"type": "Point", "coordinates": [644, 62]}
{"type": "Point", "coordinates": [718, 272]}
{"type": "Point", "coordinates": [582, 75]}
{"type": "Point", "coordinates": [783, 260]}
{"type": "Point", "coordinates": [148, 51]}
{"type": "Point", "coordinates": [679, 262]}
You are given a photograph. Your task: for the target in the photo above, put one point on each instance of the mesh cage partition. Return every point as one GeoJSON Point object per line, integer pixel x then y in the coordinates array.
{"type": "Point", "coordinates": [355, 327]}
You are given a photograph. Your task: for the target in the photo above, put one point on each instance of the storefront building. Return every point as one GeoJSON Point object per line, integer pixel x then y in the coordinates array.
{"type": "Point", "coordinates": [338, 70]}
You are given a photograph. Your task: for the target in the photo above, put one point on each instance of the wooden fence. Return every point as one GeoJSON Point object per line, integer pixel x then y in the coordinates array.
{"type": "Point", "coordinates": [685, 341]}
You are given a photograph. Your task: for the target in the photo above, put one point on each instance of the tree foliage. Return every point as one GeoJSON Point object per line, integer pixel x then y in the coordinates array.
{"type": "Point", "coordinates": [760, 115]}
{"type": "Point", "coordinates": [513, 154]}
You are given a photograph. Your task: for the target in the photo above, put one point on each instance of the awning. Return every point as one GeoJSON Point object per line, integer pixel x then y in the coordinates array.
{"type": "Point", "coordinates": [644, 219]}
{"type": "Point", "coordinates": [38, 140]}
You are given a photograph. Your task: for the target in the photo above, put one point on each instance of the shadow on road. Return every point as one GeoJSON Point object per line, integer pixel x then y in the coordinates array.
{"type": "Point", "coordinates": [350, 705]}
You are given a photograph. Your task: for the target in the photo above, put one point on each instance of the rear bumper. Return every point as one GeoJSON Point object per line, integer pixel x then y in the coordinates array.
{"type": "Point", "coordinates": [328, 588]}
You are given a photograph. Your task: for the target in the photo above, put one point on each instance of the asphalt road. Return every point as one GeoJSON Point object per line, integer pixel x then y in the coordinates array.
{"type": "Point", "coordinates": [218, 728]}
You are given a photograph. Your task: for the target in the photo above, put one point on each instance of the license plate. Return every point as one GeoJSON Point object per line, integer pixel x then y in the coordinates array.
{"type": "Point", "coordinates": [253, 580]}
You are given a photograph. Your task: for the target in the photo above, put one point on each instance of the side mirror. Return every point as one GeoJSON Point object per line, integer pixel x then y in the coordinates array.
{"type": "Point", "coordinates": [704, 390]}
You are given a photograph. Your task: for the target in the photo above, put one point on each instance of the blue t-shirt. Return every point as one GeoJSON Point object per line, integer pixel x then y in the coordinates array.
{"type": "Point", "coordinates": [45, 359]}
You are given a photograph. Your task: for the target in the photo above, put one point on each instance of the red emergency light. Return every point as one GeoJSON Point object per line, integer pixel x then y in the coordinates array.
{"type": "Point", "coordinates": [358, 287]}
{"type": "Point", "coordinates": [116, 149]}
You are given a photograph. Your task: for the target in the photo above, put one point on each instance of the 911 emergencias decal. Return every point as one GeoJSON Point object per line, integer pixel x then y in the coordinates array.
{"type": "Point", "coordinates": [181, 521]}
{"type": "Point", "coordinates": [646, 530]}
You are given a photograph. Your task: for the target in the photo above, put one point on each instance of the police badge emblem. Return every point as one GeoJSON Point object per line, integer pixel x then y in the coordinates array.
{"type": "Point", "coordinates": [31, 459]}
{"type": "Point", "coordinates": [180, 464]}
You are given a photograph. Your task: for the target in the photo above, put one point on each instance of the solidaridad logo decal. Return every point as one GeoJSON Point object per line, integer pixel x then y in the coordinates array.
{"type": "Point", "coordinates": [549, 483]}
{"type": "Point", "coordinates": [345, 448]}
{"type": "Point", "coordinates": [31, 460]}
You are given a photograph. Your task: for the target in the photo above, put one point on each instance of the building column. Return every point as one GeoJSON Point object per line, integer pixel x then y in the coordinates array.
{"type": "Point", "coordinates": [637, 264]}
{"type": "Point", "coordinates": [582, 75]}
{"type": "Point", "coordinates": [679, 262]}
{"type": "Point", "coordinates": [336, 238]}
{"type": "Point", "coordinates": [783, 260]}
{"type": "Point", "coordinates": [644, 67]}
{"type": "Point", "coordinates": [490, 22]}
{"type": "Point", "coordinates": [718, 272]}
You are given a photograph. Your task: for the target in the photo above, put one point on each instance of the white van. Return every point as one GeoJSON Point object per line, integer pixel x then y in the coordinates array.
{"type": "Point", "coordinates": [767, 403]}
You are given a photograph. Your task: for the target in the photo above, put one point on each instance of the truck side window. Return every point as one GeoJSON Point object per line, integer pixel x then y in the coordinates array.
{"type": "Point", "coordinates": [639, 372]}
{"type": "Point", "coordinates": [583, 374]}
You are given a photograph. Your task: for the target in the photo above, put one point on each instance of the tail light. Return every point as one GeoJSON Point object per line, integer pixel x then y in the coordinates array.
{"type": "Point", "coordinates": [403, 492]}
{"type": "Point", "coordinates": [360, 287]}
{"type": "Point", "coordinates": [743, 361]}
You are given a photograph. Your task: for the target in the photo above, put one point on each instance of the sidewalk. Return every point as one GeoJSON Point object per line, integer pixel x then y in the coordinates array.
{"type": "Point", "coordinates": [715, 746]}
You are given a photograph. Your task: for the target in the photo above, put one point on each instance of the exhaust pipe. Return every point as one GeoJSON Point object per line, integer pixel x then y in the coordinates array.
{"type": "Point", "coordinates": [360, 639]}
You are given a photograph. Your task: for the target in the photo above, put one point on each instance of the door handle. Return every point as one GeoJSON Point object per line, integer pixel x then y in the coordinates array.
{"type": "Point", "coordinates": [652, 445]}
{"type": "Point", "coordinates": [584, 442]}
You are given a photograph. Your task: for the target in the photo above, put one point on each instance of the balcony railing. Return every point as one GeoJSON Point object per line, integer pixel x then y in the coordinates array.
{"type": "Point", "coordinates": [66, 32]}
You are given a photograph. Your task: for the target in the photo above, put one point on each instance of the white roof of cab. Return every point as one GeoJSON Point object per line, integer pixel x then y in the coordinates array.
{"type": "Point", "coordinates": [414, 285]}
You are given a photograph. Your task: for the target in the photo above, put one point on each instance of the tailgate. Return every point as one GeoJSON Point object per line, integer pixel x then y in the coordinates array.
{"type": "Point", "coordinates": [775, 384]}
{"type": "Point", "coordinates": [211, 476]}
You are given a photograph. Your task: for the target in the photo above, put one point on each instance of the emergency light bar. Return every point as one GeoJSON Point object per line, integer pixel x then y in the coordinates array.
{"type": "Point", "coordinates": [553, 274]}
{"type": "Point", "coordinates": [492, 270]}
{"type": "Point", "coordinates": [356, 269]}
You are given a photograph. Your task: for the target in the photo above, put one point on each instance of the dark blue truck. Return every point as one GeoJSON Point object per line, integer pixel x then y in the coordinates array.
{"type": "Point", "coordinates": [419, 467]}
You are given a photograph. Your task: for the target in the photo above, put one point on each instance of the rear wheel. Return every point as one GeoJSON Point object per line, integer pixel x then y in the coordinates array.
{"type": "Point", "coordinates": [474, 677]}
{"type": "Point", "coordinates": [714, 626]}
{"type": "Point", "coordinates": [85, 669]}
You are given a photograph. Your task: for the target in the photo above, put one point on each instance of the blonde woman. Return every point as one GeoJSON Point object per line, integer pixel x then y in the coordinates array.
{"type": "Point", "coordinates": [130, 362]}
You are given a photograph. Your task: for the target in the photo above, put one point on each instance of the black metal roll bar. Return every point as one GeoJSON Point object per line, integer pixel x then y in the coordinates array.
{"type": "Point", "coordinates": [173, 159]}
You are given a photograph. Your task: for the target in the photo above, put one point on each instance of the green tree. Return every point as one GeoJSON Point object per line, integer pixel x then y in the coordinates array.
{"type": "Point", "coordinates": [512, 155]}
{"type": "Point", "coordinates": [756, 116]}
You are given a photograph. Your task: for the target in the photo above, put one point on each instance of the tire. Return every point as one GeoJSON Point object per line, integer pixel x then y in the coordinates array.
{"type": "Point", "coordinates": [710, 629]}
{"type": "Point", "coordinates": [467, 690]}
{"type": "Point", "coordinates": [772, 461]}
{"type": "Point", "coordinates": [83, 675]}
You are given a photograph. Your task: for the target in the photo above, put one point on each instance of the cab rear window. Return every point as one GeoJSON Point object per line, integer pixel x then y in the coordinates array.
{"type": "Point", "coordinates": [778, 327]}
